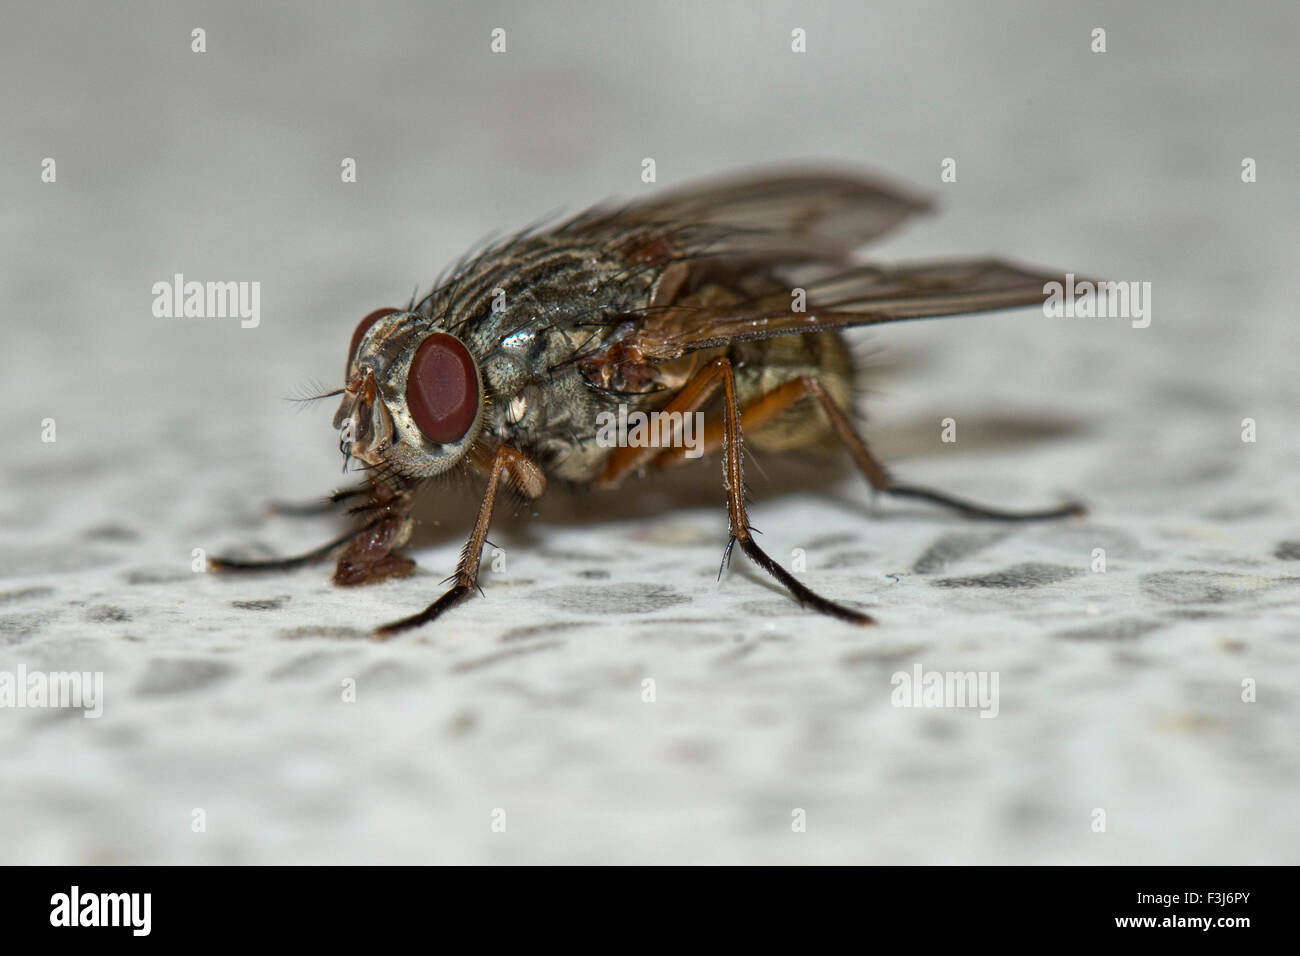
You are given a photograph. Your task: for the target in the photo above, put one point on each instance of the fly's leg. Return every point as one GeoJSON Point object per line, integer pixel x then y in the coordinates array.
{"type": "Point", "coordinates": [319, 507]}
{"type": "Point", "coordinates": [690, 398]}
{"type": "Point", "coordinates": [768, 406]}
{"type": "Point", "coordinates": [523, 474]}
{"type": "Point", "coordinates": [283, 564]}
{"type": "Point", "coordinates": [367, 550]}
{"type": "Point", "coordinates": [881, 480]}
{"type": "Point", "coordinates": [369, 556]}
{"type": "Point", "coordinates": [694, 394]}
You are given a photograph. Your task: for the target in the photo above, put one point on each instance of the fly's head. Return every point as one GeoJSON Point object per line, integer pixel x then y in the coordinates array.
{"type": "Point", "coordinates": [413, 399]}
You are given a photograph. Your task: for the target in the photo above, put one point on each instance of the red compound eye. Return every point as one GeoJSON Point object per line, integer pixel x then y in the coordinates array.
{"type": "Point", "coordinates": [442, 389]}
{"type": "Point", "coordinates": [362, 328]}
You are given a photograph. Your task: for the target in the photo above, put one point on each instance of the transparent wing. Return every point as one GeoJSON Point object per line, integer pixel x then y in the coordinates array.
{"type": "Point", "coordinates": [866, 295]}
{"type": "Point", "coordinates": [788, 216]}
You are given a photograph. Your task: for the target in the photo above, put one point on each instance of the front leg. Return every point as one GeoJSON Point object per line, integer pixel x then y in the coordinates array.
{"type": "Point", "coordinates": [369, 556]}
{"type": "Point", "coordinates": [320, 506]}
{"type": "Point", "coordinates": [525, 475]}
{"type": "Point", "coordinates": [366, 550]}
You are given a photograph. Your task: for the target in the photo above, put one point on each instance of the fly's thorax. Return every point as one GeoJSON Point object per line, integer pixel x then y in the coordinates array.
{"type": "Point", "coordinates": [552, 417]}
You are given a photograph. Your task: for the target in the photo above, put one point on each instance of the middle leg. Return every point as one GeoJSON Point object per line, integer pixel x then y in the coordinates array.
{"type": "Point", "coordinates": [704, 385]}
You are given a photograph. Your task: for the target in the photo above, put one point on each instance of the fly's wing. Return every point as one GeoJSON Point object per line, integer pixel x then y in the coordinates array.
{"type": "Point", "coordinates": [868, 295]}
{"type": "Point", "coordinates": [780, 217]}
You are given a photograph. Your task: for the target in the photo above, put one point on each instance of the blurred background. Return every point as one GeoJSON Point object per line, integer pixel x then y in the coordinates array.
{"type": "Point", "coordinates": [1121, 690]}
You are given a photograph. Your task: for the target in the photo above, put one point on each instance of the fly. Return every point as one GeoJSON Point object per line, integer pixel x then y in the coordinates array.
{"type": "Point", "coordinates": [727, 300]}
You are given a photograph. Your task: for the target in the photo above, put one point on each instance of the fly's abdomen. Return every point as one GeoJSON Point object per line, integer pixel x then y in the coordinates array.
{"type": "Point", "coordinates": [767, 364]}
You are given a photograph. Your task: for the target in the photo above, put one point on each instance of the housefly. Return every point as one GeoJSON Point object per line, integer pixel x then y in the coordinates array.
{"type": "Point", "coordinates": [727, 299]}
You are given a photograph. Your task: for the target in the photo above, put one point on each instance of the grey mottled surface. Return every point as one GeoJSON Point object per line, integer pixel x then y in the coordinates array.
{"type": "Point", "coordinates": [1119, 691]}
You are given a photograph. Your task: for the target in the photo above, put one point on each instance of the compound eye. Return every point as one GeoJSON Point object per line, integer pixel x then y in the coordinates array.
{"type": "Point", "coordinates": [362, 328]}
{"type": "Point", "coordinates": [442, 389]}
